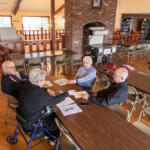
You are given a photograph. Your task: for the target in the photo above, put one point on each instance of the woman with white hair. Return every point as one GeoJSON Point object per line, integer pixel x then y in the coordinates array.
{"type": "Point", "coordinates": [33, 98]}
{"type": "Point", "coordinates": [85, 75]}
{"type": "Point", "coordinates": [11, 79]}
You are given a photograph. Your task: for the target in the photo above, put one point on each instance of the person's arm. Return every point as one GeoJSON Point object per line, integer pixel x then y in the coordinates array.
{"type": "Point", "coordinates": [76, 76]}
{"type": "Point", "coordinates": [78, 72]}
{"type": "Point", "coordinates": [50, 100]}
{"type": "Point", "coordinates": [9, 87]}
{"type": "Point", "coordinates": [51, 92]}
{"type": "Point", "coordinates": [109, 99]}
{"type": "Point", "coordinates": [59, 98]}
{"type": "Point", "coordinates": [90, 75]}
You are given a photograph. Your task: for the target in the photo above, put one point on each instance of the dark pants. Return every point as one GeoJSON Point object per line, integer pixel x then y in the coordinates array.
{"type": "Point", "coordinates": [85, 88]}
{"type": "Point", "coordinates": [49, 124]}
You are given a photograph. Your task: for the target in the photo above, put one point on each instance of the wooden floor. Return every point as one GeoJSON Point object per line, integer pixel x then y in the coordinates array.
{"type": "Point", "coordinates": [5, 130]}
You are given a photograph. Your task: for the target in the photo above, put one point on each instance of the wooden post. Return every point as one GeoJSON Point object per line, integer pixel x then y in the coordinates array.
{"type": "Point", "coordinates": [53, 23]}
{"type": "Point", "coordinates": [42, 33]}
{"type": "Point", "coordinates": [63, 41]}
{"type": "Point", "coordinates": [25, 34]}
{"type": "Point", "coordinates": [46, 34]}
{"type": "Point", "coordinates": [33, 35]}
{"type": "Point", "coordinates": [29, 35]}
{"type": "Point", "coordinates": [23, 47]}
{"type": "Point", "coordinates": [37, 34]}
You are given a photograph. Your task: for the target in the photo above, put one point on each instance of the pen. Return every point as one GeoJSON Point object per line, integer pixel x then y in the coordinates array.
{"type": "Point", "coordinates": [70, 108]}
{"type": "Point", "coordinates": [68, 104]}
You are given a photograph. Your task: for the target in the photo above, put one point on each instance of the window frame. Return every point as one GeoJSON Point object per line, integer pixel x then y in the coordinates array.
{"type": "Point", "coordinates": [37, 17]}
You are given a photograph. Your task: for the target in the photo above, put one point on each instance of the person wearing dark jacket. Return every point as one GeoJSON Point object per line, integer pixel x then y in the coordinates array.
{"type": "Point", "coordinates": [33, 98]}
{"type": "Point", "coordinates": [11, 79]}
{"type": "Point", "coordinates": [115, 94]}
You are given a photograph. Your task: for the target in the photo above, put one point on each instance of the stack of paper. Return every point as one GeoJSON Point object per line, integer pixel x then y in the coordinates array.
{"type": "Point", "coordinates": [79, 94]}
{"type": "Point", "coordinates": [68, 107]}
{"type": "Point", "coordinates": [62, 81]}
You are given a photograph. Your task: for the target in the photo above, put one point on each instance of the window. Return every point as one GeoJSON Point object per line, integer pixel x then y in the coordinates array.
{"type": "Point", "coordinates": [96, 3]}
{"type": "Point", "coordinates": [5, 21]}
{"type": "Point", "coordinates": [35, 23]}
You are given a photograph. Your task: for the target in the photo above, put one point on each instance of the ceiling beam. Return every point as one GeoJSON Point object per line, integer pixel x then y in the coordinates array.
{"type": "Point", "coordinates": [59, 9]}
{"type": "Point", "coordinates": [17, 7]}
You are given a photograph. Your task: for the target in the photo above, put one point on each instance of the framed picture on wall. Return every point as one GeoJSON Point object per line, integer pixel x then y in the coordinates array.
{"type": "Point", "coordinates": [96, 3]}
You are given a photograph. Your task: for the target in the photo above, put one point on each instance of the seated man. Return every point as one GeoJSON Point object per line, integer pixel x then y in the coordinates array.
{"type": "Point", "coordinates": [11, 79]}
{"type": "Point", "coordinates": [85, 75]}
{"type": "Point", "coordinates": [33, 98]}
{"type": "Point", "coordinates": [115, 94]}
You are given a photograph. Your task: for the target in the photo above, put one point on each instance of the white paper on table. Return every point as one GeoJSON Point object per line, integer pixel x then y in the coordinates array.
{"type": "Point", "coordinates": [62, 81]}
{"type": "Point", "coordinates": [68, 107]}
{"type": "Point", "coordinates": [79, 94]}
{"type": "Point", "coordinates": [67, 101]}
{"type": "Point", "coordinates": [47, 84]}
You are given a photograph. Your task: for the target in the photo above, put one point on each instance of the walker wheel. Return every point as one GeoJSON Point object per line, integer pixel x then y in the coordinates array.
{"type": "Point", "coordinates": [10, 139]}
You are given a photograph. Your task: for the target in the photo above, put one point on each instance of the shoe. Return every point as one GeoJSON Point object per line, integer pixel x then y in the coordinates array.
{"type": "Point", "coordinates": [52, 143]}
{"type": "Point", "coordinates": [46, 137]}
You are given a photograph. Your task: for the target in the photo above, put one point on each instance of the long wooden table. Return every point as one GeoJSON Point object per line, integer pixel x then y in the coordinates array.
{"type": "Point", "coordinates": [99, 128]}
{"type": "Point", "coordinates": [41, 54]}
{"type": "Point", "coordinates": [139, 81]}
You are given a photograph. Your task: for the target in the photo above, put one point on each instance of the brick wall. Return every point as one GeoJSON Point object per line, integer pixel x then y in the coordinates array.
{"type": "Point", "coordinates": [79, 13]}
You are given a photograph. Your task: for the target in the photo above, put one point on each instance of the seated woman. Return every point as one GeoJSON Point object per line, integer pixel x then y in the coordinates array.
{"type": "Point", "coordinates": [33, 98]}
{"type": "Point", "coordinates": [86, 75]}
{"type": "Point", "coordinates": [11, 79]}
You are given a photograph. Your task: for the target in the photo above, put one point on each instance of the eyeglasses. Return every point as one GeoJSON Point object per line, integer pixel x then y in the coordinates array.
{"type": "Point", "coordinates": [11, 67]}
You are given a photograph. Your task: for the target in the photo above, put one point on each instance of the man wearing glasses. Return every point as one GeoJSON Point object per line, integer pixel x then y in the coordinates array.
{"type": "Point", "coordinates": [11, 79]}
{"type": "Point", "coordinates": [115, 94]}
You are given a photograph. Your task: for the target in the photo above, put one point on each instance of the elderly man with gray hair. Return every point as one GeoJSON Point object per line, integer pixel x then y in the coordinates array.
{"type": "Point", "coordinates": [11, 79]}
{"type": "Point", "coordinates": [85, 75]}
{"type": "Point", "coordinates": [115, 94]}
{"type": "Point", "coordinates": [33, 98]}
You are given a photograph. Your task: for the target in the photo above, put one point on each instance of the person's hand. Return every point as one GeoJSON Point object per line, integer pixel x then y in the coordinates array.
{"type": "Point", "coordinates": [72, 81]}
{"type": "Point", "coordinates": [85, 96]}
{"type": "Point", "coordinates": [51, 92]}
{"type": "Point", "coordinates": [71, 92]}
